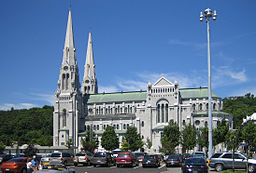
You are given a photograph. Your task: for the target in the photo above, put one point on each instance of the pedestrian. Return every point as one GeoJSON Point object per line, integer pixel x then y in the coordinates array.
{"type": "Point", "coordinates": [34, 163]}
{"type": "Point", "coordinates": [29, 166]}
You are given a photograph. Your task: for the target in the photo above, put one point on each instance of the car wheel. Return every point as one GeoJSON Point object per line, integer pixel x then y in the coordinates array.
{"type": "Point", "coordinates": [251, 168]}
{"type": "Point", "coordinates": [89, 163]}
{"type": "Point", "coordinates": [118, 166]}
{"type": "Point", "coordinates": [219, 167]}
{"type": "Point", "coordinates": [94, 165]}
{"type": "Point", "coordinates": [75, 164]}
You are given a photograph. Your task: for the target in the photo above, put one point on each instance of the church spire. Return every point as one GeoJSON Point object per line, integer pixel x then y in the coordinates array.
{"type": "Point", "coordinates": [89, 83]}
{"type": "Point", "coordinates": [69, 46]}
{"type": "Point", "coordinates": [69, 77]}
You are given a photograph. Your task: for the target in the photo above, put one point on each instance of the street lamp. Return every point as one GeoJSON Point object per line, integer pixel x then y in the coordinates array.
{"type": "Point", "coordinates": [207, 15]}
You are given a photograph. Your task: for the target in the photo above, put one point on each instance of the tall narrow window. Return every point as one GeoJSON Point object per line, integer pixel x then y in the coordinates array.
{"type": "Point", "coordinates": [166, 113]}
{"type": "Point", "coordinates": [64, 118]}
{"type": "Point", "coordinates": [67, 81]}
{"type": "Point", "coordinates": [63, 81]}
{"type": "Point", "coordinates": [162, 112]}
{"type": "Point", "coordinates": [158, 113]}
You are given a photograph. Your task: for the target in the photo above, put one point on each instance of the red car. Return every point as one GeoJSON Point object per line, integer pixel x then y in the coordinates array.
{"type": "Point", "coordinates": [126, 159]}
{"type": "Point", "coordinates": [16, 165]}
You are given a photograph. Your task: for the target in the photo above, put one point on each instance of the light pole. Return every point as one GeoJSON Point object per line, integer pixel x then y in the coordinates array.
{"type": "Point", "coordinates": [207, 15]}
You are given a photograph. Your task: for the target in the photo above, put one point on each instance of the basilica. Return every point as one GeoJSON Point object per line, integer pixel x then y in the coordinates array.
{"type": "Point", "coordinates": [79, 107]}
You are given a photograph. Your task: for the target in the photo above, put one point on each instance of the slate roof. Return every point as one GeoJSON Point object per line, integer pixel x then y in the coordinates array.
{"type": "Point", "coordinates": [186, 93]}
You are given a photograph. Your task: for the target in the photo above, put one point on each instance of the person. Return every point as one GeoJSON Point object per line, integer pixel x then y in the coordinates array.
{"type": "Point", "coordinates": [34, 163]}
{"type": "Point", "coordinates": [29, 166]}
{"type": "Point", "coordinates": [40, 166]}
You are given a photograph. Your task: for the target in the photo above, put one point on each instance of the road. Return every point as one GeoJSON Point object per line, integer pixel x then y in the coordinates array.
{"type": "Point", "coordinates": [138, 169]}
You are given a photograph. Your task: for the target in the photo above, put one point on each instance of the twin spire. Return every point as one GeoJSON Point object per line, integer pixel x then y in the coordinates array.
{"type": "Point", "coordinates": [89, 83]}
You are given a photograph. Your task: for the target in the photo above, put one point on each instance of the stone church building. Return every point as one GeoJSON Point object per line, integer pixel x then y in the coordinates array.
{"type": "Point", "coordinates": [79, 107]}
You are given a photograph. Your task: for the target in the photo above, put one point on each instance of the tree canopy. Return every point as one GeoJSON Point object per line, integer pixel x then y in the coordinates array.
{"type": "Point", "coordinates": [27, 126]}
{"type": "Point", "coordinates": [170, 138]}
{"type": "Point", "coordinates": [109, 139]}
{"type": "Point", "coordinates": [133, 138]}
{"type": "Point", "coordinates": [188, 137]}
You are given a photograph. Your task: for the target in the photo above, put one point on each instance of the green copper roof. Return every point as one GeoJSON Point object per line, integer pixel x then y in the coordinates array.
{"type": "Point", "coordinates": [187, 93]}
{"type": "Point", "coordinates": [117, 97]}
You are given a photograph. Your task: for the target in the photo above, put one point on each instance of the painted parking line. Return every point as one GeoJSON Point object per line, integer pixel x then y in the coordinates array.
{"type": "Point", "coordinates": [161, 166]}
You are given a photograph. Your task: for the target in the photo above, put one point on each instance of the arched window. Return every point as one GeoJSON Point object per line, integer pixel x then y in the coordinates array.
{"type": "Point", "coordinates": [117, 126]}
{"type": "Point", "coordinates": [142, 124]}
{"type": "Point", "coordinates": [114, 126]}
{"type": "Point", "coordinates": [214, 106]}
{"type": "Point", "coordinates": [193, 107]}
{"type": "Point", "coordinates": [200, 107]}
{"type": "Point", "coordinates": [104, 126]}
{"type": "Point", "coordinates": [197, 122]}
{"type": "Point", "coordinates": [205, 124]}
{"type": "Point", "coordinates": [98, 127]}
{"type": "Point", "coordinates": [94, 127]}
{"type": "Point", "coordinates": [124, 126]}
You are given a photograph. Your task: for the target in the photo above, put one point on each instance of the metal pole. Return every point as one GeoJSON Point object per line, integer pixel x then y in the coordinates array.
{"type": "Point", "coordinates": [209, 91]}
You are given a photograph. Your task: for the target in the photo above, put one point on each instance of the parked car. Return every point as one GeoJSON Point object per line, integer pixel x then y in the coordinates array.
{"type": "Point", "coordinates": [115, 153]}
{"type": "Point", "coordinates": [19, 155]}
{"type": "Point", "coordinates": [186, 156]}
{"type": "Point", "coordinates": [194, 165]}
{"type": "Point", "coordinates": [46, 160]}
{"type": "Point", "coordinates": [102, 158]}
{"type": "Point", "coordinates": [215, 155]}
{"type": "Point", "coordinates": [151, 160]}
{"type": "Point", "coordinates": [199, 154]}
{"type": "Point", "coordinates": [5, 157]}
{"type": "Point", "coordinates": [61, 157]}
{"type": "Point", "coordinates": [126, 159]}
{"type": "Point", "coordinates": [225, 161]}
{"type": "Point", "coordinates": [16, 165]}
{"type": "Point", "coordinates": [173, 160]}
{"type": "Point", "coordinates": [252, 166]}
{"type": "Point", "coordinates": [139, 156]}
{"type": "Point", "coordinates": [56, 168]}
{"type": "Point", "coordinates": [83, 158]}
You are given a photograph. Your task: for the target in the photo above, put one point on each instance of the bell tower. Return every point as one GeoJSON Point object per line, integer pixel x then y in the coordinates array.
{"type": "Point", "coordinates": [67, 115]}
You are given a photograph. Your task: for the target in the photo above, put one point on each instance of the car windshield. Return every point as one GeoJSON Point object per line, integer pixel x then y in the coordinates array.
{"type": "Point", "coordinates": [2, 155]}
{"type": "Point", "coordinates": [216, 155]}
{"type": "Point", "coordinates": [55, 155]}
{"type": "Point", "coordinates": [99, 155]}
{"type": "Point", "coordinates": [194, 161]}
{"type": "Point", "coordinates": [173, 157]}
{"type": "Point", "coordinates": [123, 155]}
{"type": "Point", "coordinates": [149, 157]}
{"type": "Point", "coordinates": [139, 154]}
{"type": "Point", "coordinates": [80, 154]}
{"type": "Point", "coordinates": [115, 152]}
{"type": "Point", "coordinates": [15, 160]}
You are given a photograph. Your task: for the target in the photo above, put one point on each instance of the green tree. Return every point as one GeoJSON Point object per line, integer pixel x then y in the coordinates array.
{"type": "Point", "coordinates": [148, 143]}
{"type": "Point", "coordinates": [220, 132]}
{"type": "Point", "coordinates": [203, 137]}
{"type": "Point", "coordinates": [69, 143]}
{"type": "Point", "coordinates": [133, 138]}
{"type": "Point", "coordinates": [2, 147]}
{"type": "Point", "coordinates": [31, 150]}
{"type": "Point", "coordinates": [249, 134]}
{"type": "Point", "coordinates": [89, 141]}
{"type": "Point", "coordinates": [188, 137]}
{"type": "Point", "coordinates": [109, 139]}
{"type": "Point", "coordinates": [170, 138]}
{"type": "Point", "coordinates": [125, 146]}
{"type": "Point", "coordinates": [233, 139]}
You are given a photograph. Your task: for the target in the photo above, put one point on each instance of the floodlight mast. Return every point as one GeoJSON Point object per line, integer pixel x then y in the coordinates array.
{"type": "Point", "coordinates": [207, 15]}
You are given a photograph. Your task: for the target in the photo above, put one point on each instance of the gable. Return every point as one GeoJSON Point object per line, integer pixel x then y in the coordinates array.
{"type": "Point", "coordinates": [163, 82]}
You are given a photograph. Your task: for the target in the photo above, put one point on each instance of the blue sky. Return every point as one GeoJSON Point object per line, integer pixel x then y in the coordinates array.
{"type": "Point", "coordinates": [134, 41]}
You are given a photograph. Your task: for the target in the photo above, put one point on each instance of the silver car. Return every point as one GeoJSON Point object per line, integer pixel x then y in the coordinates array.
{"type": "Point", "coordinates": [225, 161]}
{"type": "Point", "coordinates": [59, 157]}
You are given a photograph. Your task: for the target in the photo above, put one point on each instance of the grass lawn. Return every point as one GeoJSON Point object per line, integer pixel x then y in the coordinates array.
{"type": "Point", "coordinates": [230, 171]}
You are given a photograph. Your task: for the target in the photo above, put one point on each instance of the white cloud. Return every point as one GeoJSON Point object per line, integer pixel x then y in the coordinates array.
{"type": "Point", "coordinates": [8, 106]}
{"type": "Point", "coordinates": [49, 98]}
{"type": "Point", "coordinates": [243, 91]}
{"type": "Point", "coordinates": [225, 75]}
{"type": "Point", "coordinates": [107, 89]}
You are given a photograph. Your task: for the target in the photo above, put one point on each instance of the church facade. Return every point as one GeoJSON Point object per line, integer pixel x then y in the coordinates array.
{"type": "Point", "coordinates": [80, 107]}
